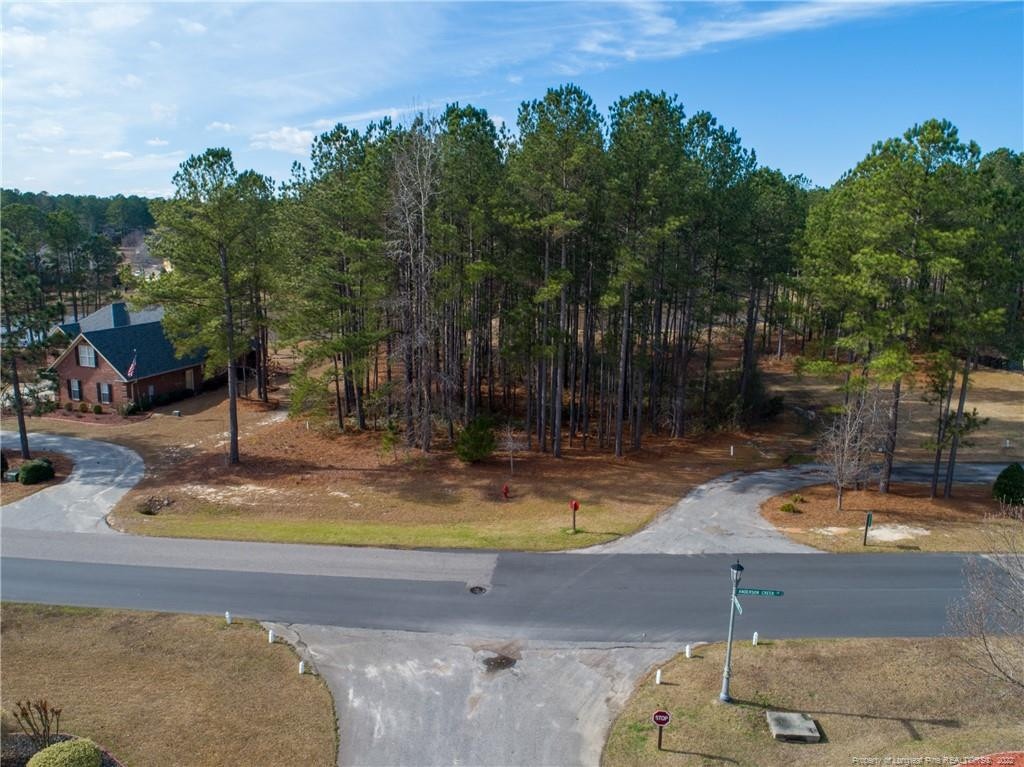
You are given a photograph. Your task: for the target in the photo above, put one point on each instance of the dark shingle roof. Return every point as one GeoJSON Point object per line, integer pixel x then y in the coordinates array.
{"type": "Point", "coordinates": [155, 351]}
{"type": "Point", "coordinates": [113, 315]}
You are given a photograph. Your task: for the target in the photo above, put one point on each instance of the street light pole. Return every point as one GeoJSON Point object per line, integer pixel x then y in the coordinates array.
{"type": "Point", "coordinates": [736, 572]}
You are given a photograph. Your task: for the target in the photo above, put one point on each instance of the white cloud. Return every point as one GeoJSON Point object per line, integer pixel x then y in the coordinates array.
{"type": "Point", "coordinates": [78, 152]}
{"type": "Point", "coordinates": [111, 16]}
{"type": "Point", "coordinates": [221, 126]}
{"type": "Point", "coordinates": [285, 139]}
{"type": "Point", "coordinates": [190, 27]}
{"type": "Point", "coordinates": [156, 142]}
{"type": "Point", "coordinates": [514, 79]}
{"type": "Point", "coordinates": [117, 155]}
{"type": "Point", "coordinates": [130, 81]}
{"type": "Point", "coordinates": [164, 112]}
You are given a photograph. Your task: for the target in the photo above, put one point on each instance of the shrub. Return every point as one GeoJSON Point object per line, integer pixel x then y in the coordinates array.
{"type": "Point", "coordinates": [80, 752]}
{"type": "Point", "coordinates": [39, 720]}
{"type": "Point", "coordinates": [1009, 485]}
{"type": "Point", "coordinates": [83, 407]}
{"type": "Point", "coordinates": [789, 508]}
{"type": "Point", "coordinates": [34, 472]}
{"type": "Point", "coordinates": [797, 498]}
{"type": "Point", "coordinates": [69, 406]}
{"type": "Point", "coordinates": [97, 409]}
{"type": "Point", "coordinates": [44, 459]}
{"type": "Point", "coordinates": [476, 442]}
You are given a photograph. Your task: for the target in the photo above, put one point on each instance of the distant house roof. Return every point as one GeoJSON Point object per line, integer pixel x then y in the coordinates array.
{"type": "Point", "coordinates": [113, 315]}
{"type": "Point", "coordinates": [121, 336]}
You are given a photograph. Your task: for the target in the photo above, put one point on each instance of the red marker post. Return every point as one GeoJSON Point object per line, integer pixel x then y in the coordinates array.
{"type": "Point", "coordinates": [574, 505]}
{"type": "Point", "coordinates": [661, 718]}
{"type": "Point", "coordinates": [504, 491]}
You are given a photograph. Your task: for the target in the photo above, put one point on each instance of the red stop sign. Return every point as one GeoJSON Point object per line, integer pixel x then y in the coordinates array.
{"type": "Point", "coordinates": [661, 718]}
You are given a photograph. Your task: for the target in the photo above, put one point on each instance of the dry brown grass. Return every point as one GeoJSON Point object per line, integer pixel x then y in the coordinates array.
{"type": "Point", "coordinates": [15, 491]}
{"type": "Point", "coordinates": [160, 689]}
{"type": "Point", "coordinates": [872, 698]}
{"type": "Point", "coordinates": [997, 394]}
{"type": "Point", "coordinates": [903, 519]}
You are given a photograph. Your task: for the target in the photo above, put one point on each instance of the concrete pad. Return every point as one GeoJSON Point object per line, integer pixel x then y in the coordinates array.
{"type": "Point", "coordinates": [431, 699]}
{"type": "Point", "coordinates": [791, 726]}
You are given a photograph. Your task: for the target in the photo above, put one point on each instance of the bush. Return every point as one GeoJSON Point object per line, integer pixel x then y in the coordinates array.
{"type": "Point", "coordinates": [69, 753]}
{"type": "Point", "coordinates": [43, 407]}
{"type": "Point", "coordinates": [44, 459]}
{"type": "Point", "coordinates": [476, 442]}
{"type": "Point", "coordinates": [69, 406]}
{"type": "Point", "coordinates": [789, 508]}
{"type": "Point", "coordinates": [1009, 485]}
{"type": "Point", "coordinates": [34, 472]}
{"type": "Point", "coordinates": [83, 407]}
{"type": "Point", "coordinates": [797, 498]}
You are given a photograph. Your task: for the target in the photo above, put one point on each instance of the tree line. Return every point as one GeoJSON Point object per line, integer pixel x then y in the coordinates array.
{"type": "Point", "coordinates": [595, 278]}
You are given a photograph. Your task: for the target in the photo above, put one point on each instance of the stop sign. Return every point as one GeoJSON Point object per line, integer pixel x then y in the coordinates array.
{"type": "Point", "coordinates": [661, 718]}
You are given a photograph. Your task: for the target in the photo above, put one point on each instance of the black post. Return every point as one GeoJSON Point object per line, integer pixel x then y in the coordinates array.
{"type": "Point", "coordinates": [660, 730]}
{"type": "Point", "coordinates": [867, 524]}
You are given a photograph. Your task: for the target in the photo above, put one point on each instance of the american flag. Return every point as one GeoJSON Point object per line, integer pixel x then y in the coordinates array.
{"type": "Point", "coordinates": [131, 368]}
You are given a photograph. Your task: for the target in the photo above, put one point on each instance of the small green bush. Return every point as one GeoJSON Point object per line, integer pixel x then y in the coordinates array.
{"type": "Point", "coordinates": [789, 508]}
{"type": "Point", "coordinates": [797, 498]}
{"type": "Point", "coordinates": [476, 442]}
{"type": "Point", "coordinates": [83, 407]}
{"type": "Point", "coordinates": [1009, 485]}
{"type": "Point", "coordinates": [97, 409]}
{"type": "Point", "coordinates": [69, 753]}
{"type": "Point", "coordinates": [44, 459]}
{"type": "Point", "coordinates": [34, 472]}
{"type": "Point", "coordinates": [69, 406]}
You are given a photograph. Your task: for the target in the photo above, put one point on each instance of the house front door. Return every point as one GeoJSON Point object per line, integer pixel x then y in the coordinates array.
{"type": "Point", "coordinates": [190, 380]}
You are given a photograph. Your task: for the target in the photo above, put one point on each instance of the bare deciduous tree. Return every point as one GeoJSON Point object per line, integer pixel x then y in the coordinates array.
{"type": "Point", "coordinates": [512, 444]}
{"type": "Point", "coordinates": [846, 447]}
{"type": "Point", "coordinates": [991, 616]}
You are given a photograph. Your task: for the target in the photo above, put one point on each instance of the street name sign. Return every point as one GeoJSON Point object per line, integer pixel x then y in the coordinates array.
{"type": "Point", "coordinates": [760, 592]}
{"type": "Point", "coordinates": [739, 607]}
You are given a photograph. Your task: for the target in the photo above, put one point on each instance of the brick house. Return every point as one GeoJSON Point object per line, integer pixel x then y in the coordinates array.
{"type": "Point", "coordinates": [117, 357]}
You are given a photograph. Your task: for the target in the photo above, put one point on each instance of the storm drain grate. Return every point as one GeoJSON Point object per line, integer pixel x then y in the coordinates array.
{"type": "Point", "coordinates": [477, 589]}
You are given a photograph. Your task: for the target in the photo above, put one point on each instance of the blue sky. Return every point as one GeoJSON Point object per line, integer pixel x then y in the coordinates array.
{"type": "Point", "coordinates": [107, 98]}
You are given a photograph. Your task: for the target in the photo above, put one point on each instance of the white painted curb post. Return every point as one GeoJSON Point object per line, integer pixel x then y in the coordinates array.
{"type": "Point", "coordinates": [270, 636]}
{"type": "Point", "coordinates": [689, 651]}
{"type": "Point", "coordinates": [227, 617]}
{"type": "Point", "coordinates": [732, 451]}
{"type": "Point", "coordinates": [302, 667]}
{"type": "Point", "coordinates": [657, 677]}
{"type": "Point", "coordinates": [755, 639]}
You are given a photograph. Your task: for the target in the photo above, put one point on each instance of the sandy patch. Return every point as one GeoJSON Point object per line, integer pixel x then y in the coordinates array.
{"type": "Point", "coordinates": [896, 532]}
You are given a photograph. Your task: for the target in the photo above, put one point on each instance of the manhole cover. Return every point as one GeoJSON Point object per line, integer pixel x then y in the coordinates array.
{"type": "Point", "coordinates": [498, 663]}
{"type": "Point", "coordinates": [477, 589]}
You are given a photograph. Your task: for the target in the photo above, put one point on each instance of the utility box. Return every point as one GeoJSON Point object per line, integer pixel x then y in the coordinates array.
{"type": "Point", "coordinates": [792, 727]}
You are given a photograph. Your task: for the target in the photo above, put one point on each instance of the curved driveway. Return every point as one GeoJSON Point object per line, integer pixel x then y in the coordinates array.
{"type": "Point", "coordinates": [102, 473]}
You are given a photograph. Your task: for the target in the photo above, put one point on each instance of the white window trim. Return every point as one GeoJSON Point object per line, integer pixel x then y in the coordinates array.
{"type": "Point", "coordinates": [76, 389]}
{"type": "Point", "coordinates": [86, 363]}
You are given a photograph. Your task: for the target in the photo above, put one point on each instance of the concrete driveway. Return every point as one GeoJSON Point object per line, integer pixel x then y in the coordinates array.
{"type": "Point", "coordinates": [102, 474]}
{"type": "Point", "coordinates": [415, 699]}
{"type": "Point", "coordinates": [723, 517]}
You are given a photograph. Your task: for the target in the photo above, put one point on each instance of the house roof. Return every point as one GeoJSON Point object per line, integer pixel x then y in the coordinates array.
{"type": "Point", "coordinates": [113, 315]}
{"type": "Point", "coordinates": [125, 337]}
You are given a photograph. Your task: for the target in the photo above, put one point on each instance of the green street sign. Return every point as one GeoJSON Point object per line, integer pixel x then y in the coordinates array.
{"type": "Point", "coordinates": [760, 592]}
{"type": "Point", "coordinates": [870, 518]}
{"type": "Point", "coordinates": [739, 607]}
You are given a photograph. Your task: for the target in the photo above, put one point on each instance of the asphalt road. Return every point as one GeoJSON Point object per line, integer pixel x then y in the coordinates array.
{"type": "Point", "coordinates": [610, 598]}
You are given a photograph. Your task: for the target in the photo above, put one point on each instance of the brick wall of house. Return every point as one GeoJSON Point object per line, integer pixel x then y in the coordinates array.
{"type": "Point", "coordinates": [121, 392]}
{"type": "Point", "coordinates": [165, 383]}
{"type": "Point", "coordinates": [69, 368]}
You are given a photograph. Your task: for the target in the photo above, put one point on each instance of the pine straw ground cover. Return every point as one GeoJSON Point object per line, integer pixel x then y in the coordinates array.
{"type": "Point", "coordinates": [871, 698]}
{"type": "Point", "coordinates": [905, 519]}
{"type": "Point", "coordinates": [161, 689]}
{"type": "Point", "coordinates": [15, 491]}
{"type": "Point", "coordinates": [301, 486]}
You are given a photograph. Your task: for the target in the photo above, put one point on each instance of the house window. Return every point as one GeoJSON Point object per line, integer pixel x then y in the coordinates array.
{"type": "Point", "coordinates": [76, 389]}
{"type": "Point", "coordinates": [152, 391]}
{"type": "Point", "coordinates": [105, 392]}
{"type": "Point", "coordinates": [86, 356]}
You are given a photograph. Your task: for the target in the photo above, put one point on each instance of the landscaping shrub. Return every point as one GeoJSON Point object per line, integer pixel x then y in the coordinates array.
{"type": "Point", "coordinates": [789, 508]}
{"type": "Point", "coordinates": [69, 753]}
{"type": "Point", "coordinates": [39, 720]}
{"type": "Point", "coordinates": [42, 407]}
{"type": "Point", "coordinates": [797, 498]}
{"type": "Point", "coordinates": [34, 472]}
{"type": "Point", "coordinates": [1009, 485]}
{"type": "Point", "coordinates": [83, 407]}
{"type": "Point", "coordinates": [69, 406]}
{"type": "Point", "coordinates": [476, 442]}
{"type": "Point", "coordinates": [44, 459]}
{"type": "Point", "coordinates": [97, 409]}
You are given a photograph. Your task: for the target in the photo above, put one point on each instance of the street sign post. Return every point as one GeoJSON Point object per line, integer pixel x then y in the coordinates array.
{"type": "Point", "coordinates": [735, 572]}
{"type": "Point", "coordinates": [661, 718]}
{"type": "Point", "coordinates": [867, 524]}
